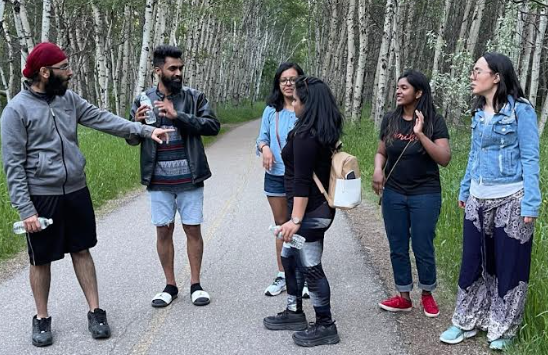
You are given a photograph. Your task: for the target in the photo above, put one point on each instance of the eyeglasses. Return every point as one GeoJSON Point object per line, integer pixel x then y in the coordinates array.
{"type": "Point", "coordinates": [63, 67]}
{"type": "Point", "coordinates": [475, 72]}
{"type": "Point", "coordinates": [288, 81]}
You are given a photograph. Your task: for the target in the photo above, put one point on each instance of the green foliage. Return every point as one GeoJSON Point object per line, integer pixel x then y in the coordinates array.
{"type": "Point", "coordinates": [455, 85]}
{"type": "Point", "coordinates": [238, 114]}
{"type": "Point", "coordinates": [504, 42]}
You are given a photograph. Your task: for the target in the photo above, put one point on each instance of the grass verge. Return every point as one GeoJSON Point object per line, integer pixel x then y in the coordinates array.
{"type": "Point", "coordinates": [112, 169]}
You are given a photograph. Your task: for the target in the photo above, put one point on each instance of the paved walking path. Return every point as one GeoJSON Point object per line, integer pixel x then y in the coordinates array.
{"type": "Point", "coordinates": [238, 264]}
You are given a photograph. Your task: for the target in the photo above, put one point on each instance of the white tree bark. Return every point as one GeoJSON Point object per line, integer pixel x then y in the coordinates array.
{"type": "Point", "coordinates": [528, 49]}
{"type": "Point", "coordinates": [145, 47]}
{"type": "Point", "coordinates": [100, 58]}
{"type": "Point", "coordinates": [477, 19]}
{"type": "Point", "coordinates": [363, 21]}
{"type": "Point", "coordinates": [535, 70]}
{"type": "Point", "coordinates": [46, 19]}
{"type": "Point", "coordinates": [124, 84]}
{"type": "Point", "coordinates": [382, 67]}
{"type": "Point", "coordinates": [9, 83]}
{"type": "Point", "coordinates": [350, 23]}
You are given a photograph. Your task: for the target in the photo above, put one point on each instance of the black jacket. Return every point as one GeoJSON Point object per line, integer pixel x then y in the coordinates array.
{"type": "Point", "coordinates": [195, 118]}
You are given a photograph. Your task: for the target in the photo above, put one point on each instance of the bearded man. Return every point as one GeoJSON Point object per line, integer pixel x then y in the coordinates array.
{"type": "Point", "coordinates": [45, 176]}
{"type": "Point", "coordinates": [174, 173]}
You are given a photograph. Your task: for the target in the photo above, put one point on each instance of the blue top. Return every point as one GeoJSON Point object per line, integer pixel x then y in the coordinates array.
{"type": "Point", "coordinates": [267, 135]}
{"type": "Point", "coordinates": [505, 150]}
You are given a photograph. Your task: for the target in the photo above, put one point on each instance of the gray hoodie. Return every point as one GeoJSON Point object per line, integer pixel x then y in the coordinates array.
{"type": "Point", "coordinates": [40, 144]}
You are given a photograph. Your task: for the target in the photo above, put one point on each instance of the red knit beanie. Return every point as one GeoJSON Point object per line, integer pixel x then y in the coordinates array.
{"type": "Point", "coordinates": [43, 55]}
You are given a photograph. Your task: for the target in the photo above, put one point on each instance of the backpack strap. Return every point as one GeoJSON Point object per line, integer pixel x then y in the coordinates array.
{"type": "Point", "coordinates": [320, 187]}
{"type": "Point", "coordinates": [338, 147]}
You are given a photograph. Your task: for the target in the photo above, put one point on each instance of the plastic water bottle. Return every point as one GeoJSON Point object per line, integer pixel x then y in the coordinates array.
{"type": "Point", "coordinates": [19, 227]}
{"type": "Point", "coordinates": [297, 241]}
{"type": "Point", "coordinates": [145, 100]}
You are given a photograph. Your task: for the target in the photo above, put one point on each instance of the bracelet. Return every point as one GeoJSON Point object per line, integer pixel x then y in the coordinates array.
{"type": "Point", "coordinates": [261, 147]}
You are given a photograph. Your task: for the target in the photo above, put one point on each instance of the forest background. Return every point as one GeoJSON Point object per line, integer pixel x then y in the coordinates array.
{"type": "Point", "coordinates": [232, 49]}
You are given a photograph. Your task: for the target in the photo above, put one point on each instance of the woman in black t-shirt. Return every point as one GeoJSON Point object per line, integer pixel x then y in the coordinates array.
{"type": "Point", "coordinates": [308, 150]}
{"type": "Point", "coordinates": [413, 142]}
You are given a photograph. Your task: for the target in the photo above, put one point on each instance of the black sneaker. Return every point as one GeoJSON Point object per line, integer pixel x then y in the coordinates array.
{"type": "Point", "coordinates": [41, 332]}
{"type": "Point", "coordinates": [317, 334]}
{"type": "Point", "coordinates": [286, 320]}
{"type": "Point", "coordinates": [98, 325]}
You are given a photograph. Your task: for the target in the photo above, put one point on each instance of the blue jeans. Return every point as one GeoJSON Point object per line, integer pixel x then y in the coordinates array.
{"type": "Point", "coordinates": [411, 217]}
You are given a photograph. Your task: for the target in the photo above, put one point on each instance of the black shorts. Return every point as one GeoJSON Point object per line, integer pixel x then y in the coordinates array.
{"type": "Point", "coordinates": [73, 227]}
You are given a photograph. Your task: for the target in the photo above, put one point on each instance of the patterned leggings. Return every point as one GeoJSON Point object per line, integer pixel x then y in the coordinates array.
{"type": "Point", "coordinates": [305, 265]}
{"type": "Point", "coordinates": [495, 266]}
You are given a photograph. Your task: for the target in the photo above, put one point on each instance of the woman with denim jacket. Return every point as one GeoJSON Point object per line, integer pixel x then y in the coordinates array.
{"type": "Point", "coordinates": [501, 198]}
{"type": "Point", "coordinates": [413, 141]}
{"type": "Point", "coordinates": [278, 119]}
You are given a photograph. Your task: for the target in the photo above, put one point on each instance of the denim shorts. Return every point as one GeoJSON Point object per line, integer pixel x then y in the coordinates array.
{"type": "Point", "coordinates": [164, 205]}
{"type": "Point", "coordinates": [274, 185]}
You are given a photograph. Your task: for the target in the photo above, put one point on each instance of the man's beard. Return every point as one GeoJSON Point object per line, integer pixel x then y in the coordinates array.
{"type": "Point", "coordinates": [56, 85]}
{"type": "Point", "coordinates": [173, 85]}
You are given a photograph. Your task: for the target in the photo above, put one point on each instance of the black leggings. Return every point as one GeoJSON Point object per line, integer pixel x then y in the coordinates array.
{"type": "Point", "coordinates": [305, 265]}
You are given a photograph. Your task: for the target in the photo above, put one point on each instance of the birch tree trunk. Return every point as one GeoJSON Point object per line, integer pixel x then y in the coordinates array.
{"type": "Point", "coordinates": [350, 23]}
{"type": "Point", "coordinates": [8, 84]}
{"type": "Point", "coordinates": [145, 47]}
{"type": "Point", "coordinates": [124, 100]}
{"type": "Point", "coordinates": [535, 71]}
{"type": "Point", "coordinates": [363, 21]}
{"type": "Point", "coordinates": [475, 26]}
{"type": "Point", "coordinates": [100, 59]}
{"type": "Point", "coordinates": [528, 49]}
{"type": "Point", "coordinates": [382, 69]}
{"type": "Point", "coordinates": [46, 20]}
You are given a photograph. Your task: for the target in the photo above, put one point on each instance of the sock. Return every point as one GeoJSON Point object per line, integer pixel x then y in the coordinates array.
{"type": "Point", "coordinates": [195, 287]}
{"type": "Point", "coordinates": [281, 274]}
{"type": "Point", "coordinates": [171, 289]}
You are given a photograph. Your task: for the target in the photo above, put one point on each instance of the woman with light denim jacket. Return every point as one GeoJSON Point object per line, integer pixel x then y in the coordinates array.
{"type": "Point", "coordinates": [278, 119]}
{"type": "Point", "coordinates": [501, 197]}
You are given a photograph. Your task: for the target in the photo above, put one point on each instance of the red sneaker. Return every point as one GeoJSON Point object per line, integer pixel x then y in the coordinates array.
{"type": "Point", "coordinates": [396, 304]}
{"type": "Point", "coordinates": [430, 306]}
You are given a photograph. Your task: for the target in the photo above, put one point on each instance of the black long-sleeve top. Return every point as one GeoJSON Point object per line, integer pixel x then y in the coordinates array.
{"type": "Point", "coordinates": [303, 155]}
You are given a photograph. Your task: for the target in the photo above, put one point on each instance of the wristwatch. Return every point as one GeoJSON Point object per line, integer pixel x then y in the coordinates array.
{"type": "Point", "coordinates": [296, 220]}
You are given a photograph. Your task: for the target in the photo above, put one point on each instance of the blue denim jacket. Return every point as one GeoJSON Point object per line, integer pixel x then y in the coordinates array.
{"type": "Point", "coordinates": [506, 150]}
{"type": "Point", "coordinates": [267, 135]}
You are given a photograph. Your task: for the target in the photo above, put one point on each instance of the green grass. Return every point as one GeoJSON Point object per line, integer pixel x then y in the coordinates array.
{"type": "Point", "coordinates": [112, 169]}
{"type": "Point", "coordinates": [361, 140]}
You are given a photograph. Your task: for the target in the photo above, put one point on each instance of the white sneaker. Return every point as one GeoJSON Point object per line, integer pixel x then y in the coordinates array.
{"type": "Point", "coordinates": [277, 287]}
{"type": "Point", "coordinates": [306, 294]}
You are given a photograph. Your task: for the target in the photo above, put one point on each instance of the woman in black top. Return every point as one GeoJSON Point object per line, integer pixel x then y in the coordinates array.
{"type": "Point", "coordinates": [308, 150]}
{"type": "Point", "coordinates": [413, 141]}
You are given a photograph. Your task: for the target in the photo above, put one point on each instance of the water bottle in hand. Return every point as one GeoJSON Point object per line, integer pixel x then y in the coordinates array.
{"type": "Point", "coordinates": [145, 100]}
{"type": "Point", "coordinates": [297, 241]}
{"type": "Point", "coordinates": [19, 227]}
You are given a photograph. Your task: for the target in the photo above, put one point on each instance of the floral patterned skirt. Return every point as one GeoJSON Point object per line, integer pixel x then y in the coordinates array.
{"type": "Point", "coordinates": [494, 273]}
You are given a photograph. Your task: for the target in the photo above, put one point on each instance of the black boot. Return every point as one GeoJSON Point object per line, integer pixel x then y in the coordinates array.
{"type": "Point", "coordinates": [286, 320]}
{"type": "Point", "coordinates": [317, 334]}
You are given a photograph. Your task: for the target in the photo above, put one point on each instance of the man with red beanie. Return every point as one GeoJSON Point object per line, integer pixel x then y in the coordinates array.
{"type": "Point", "coordinates": [45, 175]}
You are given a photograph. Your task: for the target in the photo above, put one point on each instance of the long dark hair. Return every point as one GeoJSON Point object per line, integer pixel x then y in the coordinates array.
{"type": "Point", "coordinates": [276, 98]}
{"type": "Point", "coordinates": [320, 117]}
{"type": "Point", "coordinates": [508, 83]}
{"type": "Point", "coordinates": [425, 104]}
